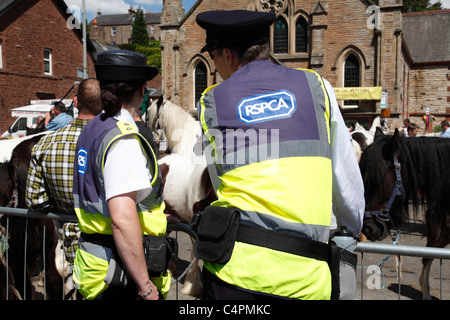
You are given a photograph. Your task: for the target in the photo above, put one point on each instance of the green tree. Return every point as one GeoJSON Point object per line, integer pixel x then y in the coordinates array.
{"type": "Point", "coordinates": [420, 5]}
{"type": "Point", "coordinates": [139, 34]}
{"type": "Point", "coordinates": [152, 50]}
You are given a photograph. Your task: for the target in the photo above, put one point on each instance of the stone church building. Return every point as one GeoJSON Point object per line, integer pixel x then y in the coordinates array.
{"type": "Point", "coordinates": [351, 43]}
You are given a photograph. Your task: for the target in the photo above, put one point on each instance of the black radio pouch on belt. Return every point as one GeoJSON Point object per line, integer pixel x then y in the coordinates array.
{"type": "Point", "coordinates": [157, 252]}
{"type": "Point", "coordinates": [217, 229]}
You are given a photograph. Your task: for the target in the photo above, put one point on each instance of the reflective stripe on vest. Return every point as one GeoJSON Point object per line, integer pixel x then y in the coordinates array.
{"type": "Point", "coordinates": [272, 160]}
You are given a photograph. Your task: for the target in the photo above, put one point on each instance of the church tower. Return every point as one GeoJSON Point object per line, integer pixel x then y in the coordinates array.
{"type": "Point", "coordinates": [172, 14]}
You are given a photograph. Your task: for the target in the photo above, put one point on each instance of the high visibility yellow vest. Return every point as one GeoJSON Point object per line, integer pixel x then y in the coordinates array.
{"type": "Point", "coordinates": [267, 142]}
{"type": "Point", "coordinates": [92, 260]}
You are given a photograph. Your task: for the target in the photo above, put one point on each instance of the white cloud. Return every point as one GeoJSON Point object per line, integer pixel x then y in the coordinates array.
{"type": "Point", "coordinates": [445, 3]}
{"type": "Point", "coordinates": [108, 6]}
{"type": "Point", "coordinates": [149, 2]}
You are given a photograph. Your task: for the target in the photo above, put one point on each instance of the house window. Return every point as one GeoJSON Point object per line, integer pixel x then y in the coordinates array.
{"type": "Point", "coordinates": [48, 62]}
{"type": "Point", "coordinates": [280, 36]}
{"type": "Point", "coordinates": [152, 30]}
{"type": "Point", "coordinates": [200, 81]}
{"type": "Point", "coordinates": [301, 35]}
{"type": "Point", "coordinates": [113, 31]}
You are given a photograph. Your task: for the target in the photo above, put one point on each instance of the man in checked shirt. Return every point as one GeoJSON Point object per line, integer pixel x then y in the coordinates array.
{"type": "Point", "coordinates": [50, 176]}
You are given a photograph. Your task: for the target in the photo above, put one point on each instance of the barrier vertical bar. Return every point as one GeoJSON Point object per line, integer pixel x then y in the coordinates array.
{"type": "Point", "coordinates": [7, 259]}
{"type": "Point", "coordinates": [362, 275]}
{"type": "Point", "coordinates": [25, 262]}
{"type": "Point", "coordinates": [44, 263]}
{"type": "Point", "coordinates": [440, 279]}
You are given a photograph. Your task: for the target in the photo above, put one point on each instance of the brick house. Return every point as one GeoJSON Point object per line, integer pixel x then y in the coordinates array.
{"type": "Point", "coordinates": [339, 39]}
{"type": "Point", "coordinates": [116, 28]}
{"type": "Point", "coordinates": [40, 57]}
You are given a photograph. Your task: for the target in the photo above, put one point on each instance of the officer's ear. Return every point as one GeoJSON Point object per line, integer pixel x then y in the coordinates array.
{"type": "Point", "coordinates": [232, 58]}
{"type": "Point", "coordinates": [229, 55]}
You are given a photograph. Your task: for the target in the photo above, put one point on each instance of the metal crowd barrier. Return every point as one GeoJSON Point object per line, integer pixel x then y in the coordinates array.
{"type": "Point", "coordinates": [25, 213]}
{"type": "Point", "coordinates": [362, 247]}
{"type": "Point", "coordinates": [402, 250]}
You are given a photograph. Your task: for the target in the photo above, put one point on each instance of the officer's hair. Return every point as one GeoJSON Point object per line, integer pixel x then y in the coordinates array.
{"type": "Point", "coordinates": [114, 94]}
{"type": "Point", "coordinates": [256, 52]}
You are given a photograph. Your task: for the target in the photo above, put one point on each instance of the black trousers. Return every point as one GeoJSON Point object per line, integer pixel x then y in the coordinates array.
{"type": "Point", "coordinates": [114, 293]}
{"type": "Point", "coordinates": [216, 289]}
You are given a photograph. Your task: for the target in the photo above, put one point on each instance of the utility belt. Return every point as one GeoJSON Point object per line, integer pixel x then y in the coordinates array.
{"type": "Point", "coordinates": [157, 252]}
{"type": "Point", "coordinates": [219, 228]}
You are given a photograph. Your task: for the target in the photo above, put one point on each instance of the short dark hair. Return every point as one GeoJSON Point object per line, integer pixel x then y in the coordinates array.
{"type": "Point", "coordinates": [89, 96]}
{"type": "Point", "coordinates": [60, 106]}
{"type": "Point", "coordinates": [412, 127]}
{"type": "Point", "coordinates": [249, 54]}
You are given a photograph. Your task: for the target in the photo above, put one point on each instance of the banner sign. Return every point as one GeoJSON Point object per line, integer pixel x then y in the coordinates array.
{"type": "Point", "coordinates": [358, 93]}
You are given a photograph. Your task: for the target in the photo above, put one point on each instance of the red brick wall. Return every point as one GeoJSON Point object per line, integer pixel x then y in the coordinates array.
{"type": "Point", "coordinates": [25, 30]}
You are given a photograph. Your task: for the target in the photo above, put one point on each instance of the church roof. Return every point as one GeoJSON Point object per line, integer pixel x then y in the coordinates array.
{"type": "Point", "coordinates": [426, 36]}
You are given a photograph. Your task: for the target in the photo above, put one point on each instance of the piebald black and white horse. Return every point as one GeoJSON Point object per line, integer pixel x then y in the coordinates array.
{"type": "Point", "coordinates": [397, 171]}
{"type": "Point", "coordinates": [187, 186]}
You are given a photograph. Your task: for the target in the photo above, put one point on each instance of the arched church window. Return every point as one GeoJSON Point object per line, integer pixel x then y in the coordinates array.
{"type": "Point", "coordinates": [200, 80]}
{"type": "Point", "coordinates": [351, 76]}
{"type": "Point", "coordinates": [301, 35]}
{"type": "Point", "coordinates": [351, 71]}
{"type": "Point", "coordinates": [280, 41]}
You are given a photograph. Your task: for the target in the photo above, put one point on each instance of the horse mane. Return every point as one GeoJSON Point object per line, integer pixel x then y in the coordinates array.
{"type": "Point", "coordinates": [6, 185]}
{"type": "Point", "coordinates": [181, 129]}
{"type": "Point", "coordinates": [19, 165]}
{"type": "Point", "coordinates": [425, 168]}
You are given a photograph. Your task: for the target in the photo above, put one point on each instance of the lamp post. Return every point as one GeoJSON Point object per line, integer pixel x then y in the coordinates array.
{"type": "Point", "coordinates": [83, 9]}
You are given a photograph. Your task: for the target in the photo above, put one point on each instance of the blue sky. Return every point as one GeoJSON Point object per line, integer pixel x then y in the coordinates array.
{"type": "Point", "coordinates": [122, 6]}
{"type": "Point", "coordinates": [119, 6]}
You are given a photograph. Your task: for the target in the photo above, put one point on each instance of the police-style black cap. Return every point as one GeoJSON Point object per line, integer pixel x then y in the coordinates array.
{"type": "Point", "coordinates": [235, 28]}
{"type": "Point", "coordinates": [123, 66]}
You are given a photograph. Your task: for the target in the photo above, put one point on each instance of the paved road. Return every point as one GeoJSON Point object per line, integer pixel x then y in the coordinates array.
{"type": "Point", "coordinates": [411, 268]}
{"type": "Point", "coordinates": [389, 282]}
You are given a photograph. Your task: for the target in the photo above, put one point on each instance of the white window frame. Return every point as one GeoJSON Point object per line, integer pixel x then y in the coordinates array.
{"type": "Point", "coordinates": [113, 31]}
{"type": "Point", "coordinates": [49, 60]}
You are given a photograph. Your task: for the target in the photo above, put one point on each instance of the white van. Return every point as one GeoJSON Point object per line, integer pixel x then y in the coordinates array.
{"type": "Point", "coordinates": [28, 115]}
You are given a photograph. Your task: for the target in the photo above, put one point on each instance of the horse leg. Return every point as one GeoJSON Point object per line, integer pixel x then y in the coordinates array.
{"type": "Point", "coordinates": [54, 278]}
{"type": "Point", "coordinates": [193, 284]}
{"type": "Point", "coordinates": [438, 235]}
{"type": "Point", "coordinates": [424, 278]}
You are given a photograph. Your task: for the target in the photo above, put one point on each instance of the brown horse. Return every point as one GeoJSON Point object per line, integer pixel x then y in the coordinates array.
{"type": "Point", "coordinates": [398, 171]}
{"type": "Point", "coordinates": [32, 229]}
